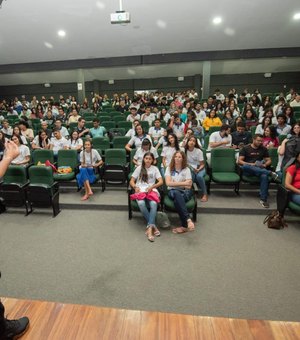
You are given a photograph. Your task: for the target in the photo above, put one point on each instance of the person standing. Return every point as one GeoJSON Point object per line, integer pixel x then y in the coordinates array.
{"type": "Point", "coordinates": [9, 329]}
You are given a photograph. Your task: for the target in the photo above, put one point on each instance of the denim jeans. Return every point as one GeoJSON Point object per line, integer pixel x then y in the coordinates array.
{"type": "Point", "coordinates": [148, 209]}
{"type": "Point", "coordinates": [263, 174]}
{"type": "Point", "coordinates": [296, 198]}
{"type": "Point", "coordinates": [199, 179]}
{"type": "Point", "coordinates": [180, 197]}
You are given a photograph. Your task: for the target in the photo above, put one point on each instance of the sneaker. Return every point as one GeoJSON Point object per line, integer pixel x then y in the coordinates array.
{"type": "Point", "coordinates": [15, 328]}
{"type": "Point", "coordinates": [274, 176]}
{"type": "Point", "coordinates": [265, 204]}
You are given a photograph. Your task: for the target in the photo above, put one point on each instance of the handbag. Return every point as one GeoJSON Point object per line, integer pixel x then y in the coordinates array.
{"type": "Point", "coordinates": [275, 221]}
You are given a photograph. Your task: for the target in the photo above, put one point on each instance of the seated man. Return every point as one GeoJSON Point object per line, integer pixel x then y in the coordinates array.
{"type": "Point", "coordinates": [6, 128]}
{"type": "Point", "coordinates": [133, 115]}
{"type": "Point", "coordinates": [58, 142]}
{"type": "Point", "coordinates": [240, 137]}
{"type": "Point", "coordinates": [254, 160]}
{"type": "Point", "coordinates": [97, 130]}
{"type": "Point", "coordinates": [81, 129]}
{"type": "Point", "coordinates": [63, 130]}
{"type": "Point", "coordinates": [219, 139]}
{"type": "Point", "coordinates": [282, 127]}
{"type": "Point", "coordinates": [156, 132]}
{"type": "Point", "coordinates": [148, 116]}
{"type": "Point", "coordinates": [44, 127]}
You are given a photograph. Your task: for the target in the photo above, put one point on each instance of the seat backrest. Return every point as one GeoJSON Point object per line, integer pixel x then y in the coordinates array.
{"type": "Point", "coordinates": [40, 175]}
{"type": "Point", "coordinates": [67, 158]}
{"type": "Point", "coordinates": [281, 138]}
{"type": "Point", "coordinates": [15, 174]}
{"type": "Point", "coordinates": [274, 157]}
{"type": "Point", "coordinates": [124, 124]}
{"type": "Point", "coordinates": [223, 160]}
{"type": "Point", "coordinates": [108, 124]}
{"type": "Point", "coordinates": [41, 155]}
{"type": "Point", "coordinates": [120, 142]}
{"type": "Point", "coordinates": [101, 143]}
{"type": "Point", "coordinates": [115, 157]}
{"type": "Point", "coordinates": [213, 129]}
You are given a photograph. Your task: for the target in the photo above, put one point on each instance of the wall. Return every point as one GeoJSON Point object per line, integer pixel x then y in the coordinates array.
{"type": "Point", "coordinates": [224, 82]}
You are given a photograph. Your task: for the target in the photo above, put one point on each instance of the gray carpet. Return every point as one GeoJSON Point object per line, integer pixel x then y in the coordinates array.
{"type": "Point", "coordinates": [231, 266]}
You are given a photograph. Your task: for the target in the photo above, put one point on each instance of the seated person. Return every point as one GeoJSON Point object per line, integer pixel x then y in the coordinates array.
{"type": "Point", "coordinates": [290, 147]}
{"type": "Point", "coordinates": [75, 141]}
{"type": "Point", "coordinates": [156, 131]}
{"type": "Point", "coordinates": [177, 125]}
{"type": "Point", "coordinates": [61, 115]}
{"type": "Point", "coordinates": [133, 115]}
{"type": "Point", "coordinates": [81, 129]}
{"type": "Point", "coordinates": [24, 152]}
{"type": "Point", "coordinates": [63, 130]}
{"type": "Point", "coordinates": [44, 127]}
{"type": "Point", "coordinates": [270, 139]}
{"type": "Point", "coordinates": [219, 139]}
{"type": "Point", "coordinates": [6, 128]}
{"type": "Point", "coordinates": [73, 116]}
{"type": "Point", "coordinates": [41, 141]}
{"type": "Point", "coordinates": [90, 160]}
{"type": "Point", "coordinates": [140, 152]}
{"type": "Point", "coordinates": [240, 137]}
{"type": "Point", "coordinates": [58, 142]}
{"type": "Point", "coordinates": [179, 181]}
{"type": "Point", "coordinates": [211, 120]}
{"type": "Point", "coordinates": [282, 127]}
{"type": "Point", "coordinates": [250, 119]}
{"type": "Point", "coordinates": [292, 180]}
{"type": "Point", "coordinates": [168, 151]}
{"type": "Point", "coordinates": [254, 160]}
{"type": "Point", "coordinates": [196, 163]}
{"type": "Point", "coordinates": [138, 138]}
{"type": "Point", "coordinates": [131, 132]}
{"type": "Point", "coordinates": [26, 131]}
{"type": "Point", "coordinates": [145, 179]}
{"type": "Point", "coordinates": [97, 130]}
{"type": "Point", "coordinates": [148, 116]}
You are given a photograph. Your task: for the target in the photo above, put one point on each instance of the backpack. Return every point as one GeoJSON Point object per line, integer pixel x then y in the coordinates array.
{"type": "Point", "coordinates": [275, 221]}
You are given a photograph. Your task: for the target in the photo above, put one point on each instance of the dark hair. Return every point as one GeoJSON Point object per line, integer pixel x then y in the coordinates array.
{"type": "Point", "coordinates": [292, 129]}
{"type": "Point", "coordinates": [40, 138]}
{"type": "Point", "coordinates": [224, 127]}
{"type": "Point", "coordinates": [95, 120]}
{"type": "Point", "coordinates": [282, 116]}
{"type": "Point", "coordinates": [273, 131]}
{"type": "Point", "coordinates": [143, 174]}
{"type": "Point", "coordinates": [141, 128]}
{"type": "Point", "coordinates": [146, 141]}
{"type": "Point", "coordinates": [19, 138]}
{"type": "Point", "coordinates": [257, 135]}
{"type": "Point", "coordinates": [263, 121]}
{"type": "Point", "coordinates": [176, 140]}
{"type": "Point", "coordinates": [186, 148]}
{"type": "Point", "coordinates": [23, 122]}
{"type": "Point", "coordinates": [241, 124]}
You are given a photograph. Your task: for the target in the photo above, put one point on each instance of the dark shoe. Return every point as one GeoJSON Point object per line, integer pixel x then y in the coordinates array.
{"type": "Point", "coordinates": [15, 328]}
{"type": "Point", "coordinates": [264, 204]}
{"type": "Point", "coordinates": [274, 176]}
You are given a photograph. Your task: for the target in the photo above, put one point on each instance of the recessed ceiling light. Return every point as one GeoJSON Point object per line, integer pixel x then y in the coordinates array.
{"type": "Point", "coordinates": [217, 20]}
{"type": "Point", "coordinates": [296, 16]}
{"type": "Point", "coordinates": [48, 45]}
{"type": "Point", "coordinates": [100, 4]}
{"type": "Point", "coordinates": [161, 24]}
{"type": "Point", "coordinates": [61, 33]}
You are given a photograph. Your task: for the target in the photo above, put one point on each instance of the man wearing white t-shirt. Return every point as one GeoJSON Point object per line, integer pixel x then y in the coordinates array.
{"type": "Point", "coordinates": [156, 132]}
{"type": "Point", "coordinates": [219, 139]}
{"type": "Point", "coordinates": [58, 142]}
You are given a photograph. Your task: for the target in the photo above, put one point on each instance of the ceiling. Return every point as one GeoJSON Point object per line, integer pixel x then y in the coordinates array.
{"type": "Point", "coordinates": [28, 33]}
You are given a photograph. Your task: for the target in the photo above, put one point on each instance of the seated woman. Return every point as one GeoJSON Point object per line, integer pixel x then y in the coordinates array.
{"type": "Point", "coordinates": [168, 151]}
{"type": "Point", "coordinates": [90, 160]}
{"type": "Point", "coordinates": [17, 132]}
{"type": "Point", "coordinates": [292, 180]}
{"type": "Point", "coordinates": [179, 181]}
{"type": "Point", "coordinates": [26, 131]}
{"type": "Point", "coordinates": [76, 143]}
{"type": "Point", "coordinates": [146, 178]}
{"type": "Point", "coordinates": [138, 138]}
{"type": "Point", "coordinates": [196, 163]}
{"type": "Point", "coordinates": [140, 152]}
{"type": "Point", "coordinates": [24, 156]}
{"type": "Point", "coordinates": [41, 141]}
{"type": "Point", "coordinates": [211, 120]}
{"type": "Point", "coordinates": [270, 139]}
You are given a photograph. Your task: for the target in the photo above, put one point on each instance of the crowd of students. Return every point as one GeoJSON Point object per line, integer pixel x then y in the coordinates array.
{"type": "Point", "coordinates": [177, 138]}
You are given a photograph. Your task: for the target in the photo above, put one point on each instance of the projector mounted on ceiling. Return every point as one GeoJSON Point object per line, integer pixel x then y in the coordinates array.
{"type": "Point", "coordinates": [120, 17]}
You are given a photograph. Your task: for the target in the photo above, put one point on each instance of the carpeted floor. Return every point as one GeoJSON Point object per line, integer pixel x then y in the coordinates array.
{"type": "Point", "coordinates": [231, 266]}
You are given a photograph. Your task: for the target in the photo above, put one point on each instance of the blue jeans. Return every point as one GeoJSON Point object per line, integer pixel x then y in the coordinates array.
{"type": "Point", "coordinates": [296, 198]}
{"type": "Point", "coordinates": [180, 197]}
{"type": "Point", "coordinates": [263, 174]}
{"type": "Point", "coordinates": [148, 209]}
{"type": "Point", "coordinates": [199, 179]}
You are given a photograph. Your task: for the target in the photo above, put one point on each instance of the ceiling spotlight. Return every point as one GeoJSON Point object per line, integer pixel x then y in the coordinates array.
{"type": "Point", "coordinates": [296, 16]}
{"type": "Point", "coordinates": [61, 33]}
{"type": "Point", "coordinates": [217, 20]}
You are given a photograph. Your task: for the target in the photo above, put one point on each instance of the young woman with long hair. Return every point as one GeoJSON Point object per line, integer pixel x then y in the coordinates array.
{"type": "Point", "coordinates": [196, 163]}
{"type": "Point", "coordinates": [179, 181]}
{"type": "Point", "coordinates": [90, 160]}
{"type": "Point", "coordinates": [169, 150]}
{"type": "Point", "coordinates": [41, 141]}
{"type": "Point", "coordinates": [145, 180]}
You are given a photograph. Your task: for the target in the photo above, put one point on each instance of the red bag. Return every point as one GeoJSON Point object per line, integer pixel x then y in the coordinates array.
{"type": "Point", "coordinates": [152, 196]}
{"type": "Point", "coordinates": [48, 163]}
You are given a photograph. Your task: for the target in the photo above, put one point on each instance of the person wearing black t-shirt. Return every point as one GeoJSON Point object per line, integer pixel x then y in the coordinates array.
{"type": "Point", "coordinates": [254, 160]}
{"type": "Point", "coordinates": [240, 137]}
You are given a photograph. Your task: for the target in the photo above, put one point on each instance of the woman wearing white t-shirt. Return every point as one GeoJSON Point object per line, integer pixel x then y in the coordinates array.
{"type": "Point", "coordinates": [90, 160]}
{"type": "Point", "coordinates": [137, 140]}
{"type": "Point", "coordinates": [145, 179]}
{"type": "Point", "coordinates": [24, 156]}
{"type": "Point", "coordinates": [168, 151]}
{"type": "Point", "coordinates": [196, 162]}
{"type": "Point", "coordinates": [76, 143]}
{"type": "Point", "coordinates": [179, 181]}
{"type": "Point", "coordinates": [140, 152]}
